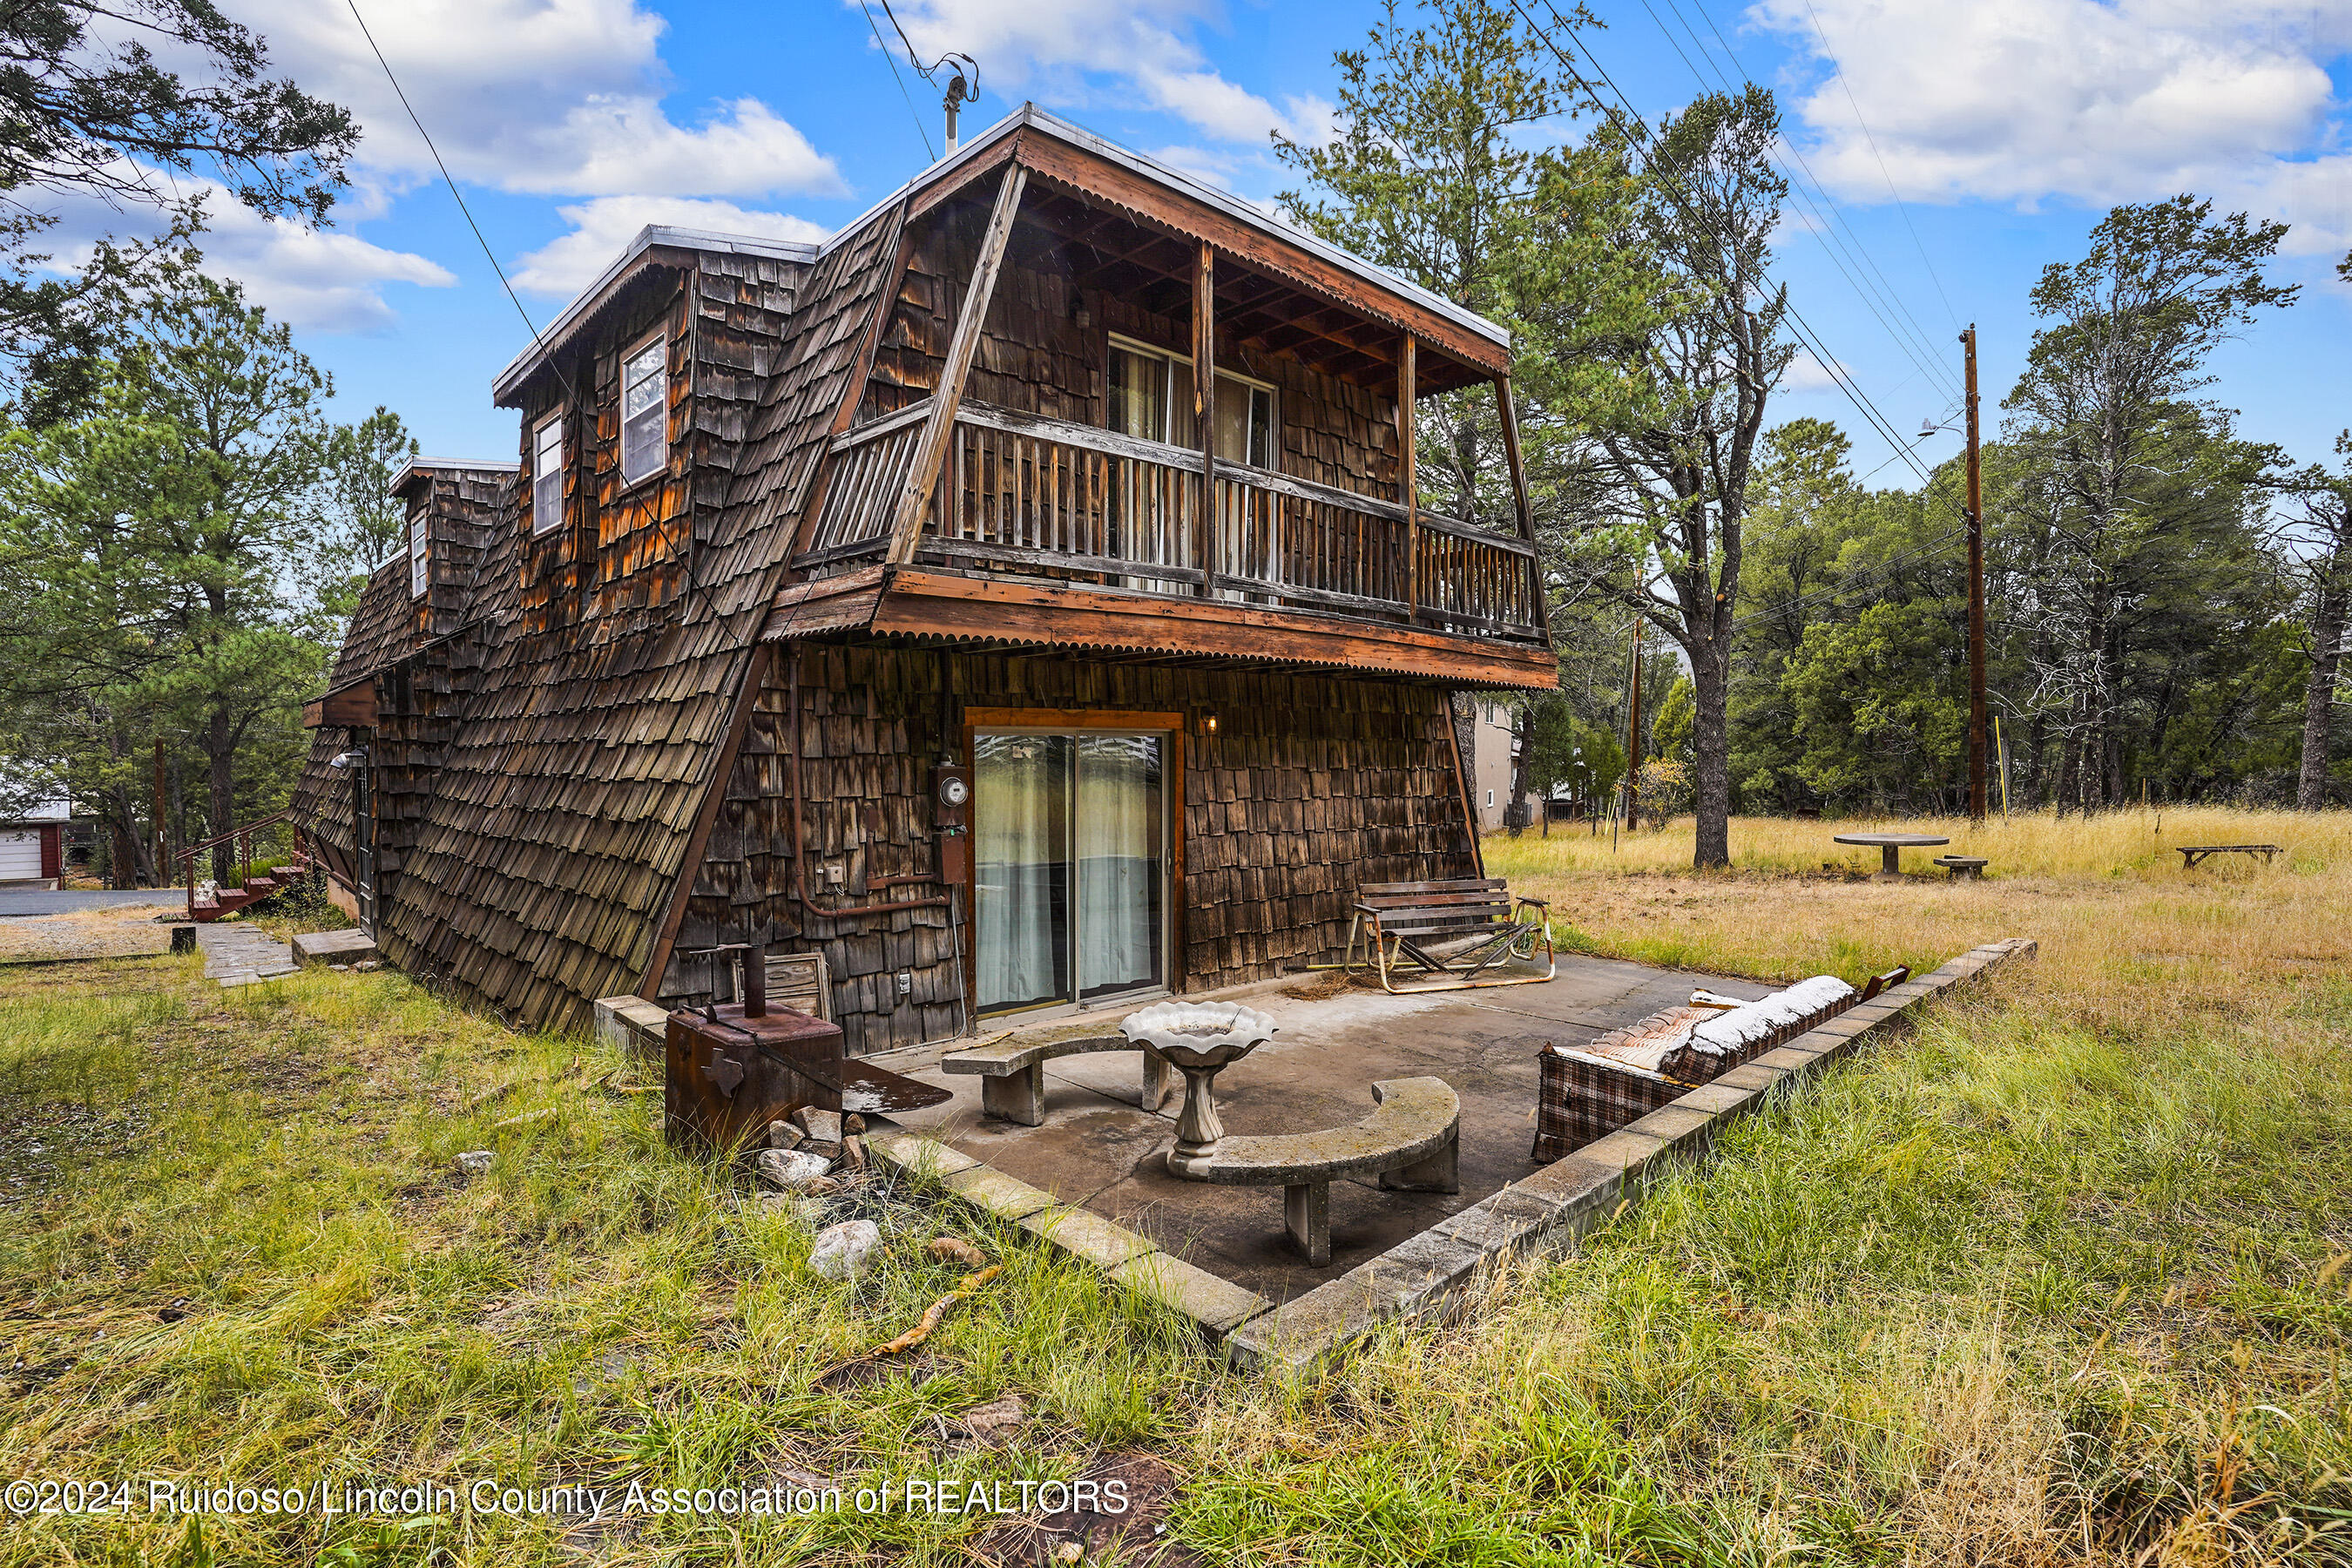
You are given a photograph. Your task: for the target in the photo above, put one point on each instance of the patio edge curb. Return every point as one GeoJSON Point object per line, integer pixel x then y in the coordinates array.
{"type": "Point", "coordinates": [1546, 1213]}
{"type": "Point", "coordinates": [1542, 1215]}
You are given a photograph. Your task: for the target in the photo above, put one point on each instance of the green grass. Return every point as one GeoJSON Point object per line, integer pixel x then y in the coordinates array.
{"type": "Point", "coordinates": [2063, 1274]}
{"type": "Point", "coordinates": [598, 1308]}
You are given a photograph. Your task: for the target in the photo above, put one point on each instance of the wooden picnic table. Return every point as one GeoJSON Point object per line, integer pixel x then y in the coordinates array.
{"type": "Point", "coordinates": [1891, 847]}
{"type": "Point", "coordinates": [2190, 854]}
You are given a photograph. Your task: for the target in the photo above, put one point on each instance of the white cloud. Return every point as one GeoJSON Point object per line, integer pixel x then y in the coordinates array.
{"type": "Point", "coordinates": [2017, 100]}
{"type": "Point", "coordinates": [1806, 373]}
{"type": "Point", "coordinates": [1143, 48]}
{"type": "Point", "coordinates": [324, 279]}
{"type": "Point", "coordinates": [545, 97]}
{"type": "Point", "coordinates": [603, 227]}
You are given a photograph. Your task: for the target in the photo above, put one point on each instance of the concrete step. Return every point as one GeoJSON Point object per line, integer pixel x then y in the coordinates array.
{"type": "Point", "coordinates": [350, 945]}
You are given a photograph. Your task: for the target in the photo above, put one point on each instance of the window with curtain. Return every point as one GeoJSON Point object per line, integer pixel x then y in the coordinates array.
{"type": "Point", "coordinates": [1021, 869]}
{"type": "Point", "coordinates": [644, 412]}
{"type": "Point", "coordinates": [1151, 398]}
{"type": "Point", "coordinates": [420, 560]}
{"type": "Point", "coordinates": [547, 476]}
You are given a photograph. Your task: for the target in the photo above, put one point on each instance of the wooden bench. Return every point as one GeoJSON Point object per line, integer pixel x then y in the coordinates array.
{"type": "Point", "coordinates": [1013, 1073]}
{"type": "Point", "coordinates": [1455, 931]}
{"type": "Point", "coordinates": [2190, 854]}
{"type": "Point", "coordinates": [1964, 868]}
{"type": "Point", "coordinates": [1413, 1142]}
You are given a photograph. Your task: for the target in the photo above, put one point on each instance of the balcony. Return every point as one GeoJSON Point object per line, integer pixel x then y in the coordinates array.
{"type": "Point", "coordinates": [1050, 502]}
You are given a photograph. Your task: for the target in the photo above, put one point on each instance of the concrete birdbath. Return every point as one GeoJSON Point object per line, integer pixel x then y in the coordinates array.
{"type": "Point", "coordinates": [1199, 1040]}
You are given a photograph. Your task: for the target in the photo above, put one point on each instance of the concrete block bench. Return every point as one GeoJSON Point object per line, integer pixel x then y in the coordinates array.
{"type": "Point", "coordinates": [1963, 867]}
{"type": "Point", "coordinates": [1413, 1143]}
{"type": "Point", "coordinates": [1013, 1073]}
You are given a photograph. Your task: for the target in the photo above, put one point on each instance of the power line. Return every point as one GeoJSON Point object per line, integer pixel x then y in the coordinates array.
{"type": "Point", "coordinates": [893, 61]}
{"type": "Point", "coordinates": [491, 257]}
{"type": "Point", "coordinates": [1847, 83]}
{"type": "Point", "coordinates": [1806, 335]}
{"type": "Point", "coordinates": [916, 60]}
{"type": "Point", "coordinates": [1917, 346]}
{"type": "Point", "coordinates": [1820, 189]}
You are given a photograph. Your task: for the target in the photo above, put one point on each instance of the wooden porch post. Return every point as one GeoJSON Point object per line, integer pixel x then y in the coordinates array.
{"type": "Point", "coordinates": [1519, 497]}
{"type": "Point", "coordinates": [1204, 410]}
{"type": "Point", "coordinates": [1407, 450]}
{"type": "Point", "coordinates": [931, 452]}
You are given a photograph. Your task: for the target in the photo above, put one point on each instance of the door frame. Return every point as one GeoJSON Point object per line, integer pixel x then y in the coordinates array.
{"type": "Point", "coordinates": [1171, 724]}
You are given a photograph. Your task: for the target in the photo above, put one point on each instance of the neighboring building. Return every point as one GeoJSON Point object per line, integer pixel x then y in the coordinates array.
{"type": "Point", "coordinates": [910, 599]}
{"type": "Point", "coordinates": [1493, 753]}
{"type": "Point", "coordinates": [33, 842]}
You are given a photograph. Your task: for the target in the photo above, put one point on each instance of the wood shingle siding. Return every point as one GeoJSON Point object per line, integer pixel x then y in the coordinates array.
{"type": "Point", "coordinates": [563, 810]}
{"type": "Point", "coordinates": [1310, 785]}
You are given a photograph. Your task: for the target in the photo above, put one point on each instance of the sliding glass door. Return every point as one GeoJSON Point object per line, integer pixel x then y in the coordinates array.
{"type": "Point", "coordinates": [1071, 864]}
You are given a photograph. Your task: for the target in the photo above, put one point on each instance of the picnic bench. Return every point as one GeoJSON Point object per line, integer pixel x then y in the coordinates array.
{"type": "Point", "coordinates": [1964, 868]}
{"type": "Point", "coordinates": [2192, 854]}
{"type": "Point", "coordinates": [1412, 1140]}
{"type": "Point", "coordinates": [1890, 847]}
{"type": "Point", "coordinates": [1013, 1073]}
{"type": "Point", "coordinates": [1456, 933]}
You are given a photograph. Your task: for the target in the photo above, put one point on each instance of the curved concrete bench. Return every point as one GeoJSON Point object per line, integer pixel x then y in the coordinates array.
{"type": "Point", "coordinates": [1413, 1142]}
{"type": "Point", "coordinates": [1963, 867]}
{"type": "Point", "coordinates": [1013, 1073]}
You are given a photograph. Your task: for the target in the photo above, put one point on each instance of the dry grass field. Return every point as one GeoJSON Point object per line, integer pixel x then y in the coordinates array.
{"type": "Point", "coordinates": [2064, 1274]}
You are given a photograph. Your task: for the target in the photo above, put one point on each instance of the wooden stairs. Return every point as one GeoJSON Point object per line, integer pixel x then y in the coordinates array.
{"type": "Point", "coordinates": [205, 908]}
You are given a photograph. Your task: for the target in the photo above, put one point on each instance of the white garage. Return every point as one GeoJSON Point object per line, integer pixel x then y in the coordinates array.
{"type": "Point", "coordinates": [20, 853]}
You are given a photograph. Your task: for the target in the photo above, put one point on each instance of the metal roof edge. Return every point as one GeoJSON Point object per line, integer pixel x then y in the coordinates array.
{"type": "Point", "coordinates": [411, 467]}
{"type": "Point", "coordinates": [1028, 115]}
{"type": "Point", "coordinates": [519, 368]}
{"type": "Point", "coordinates": [1053, 124]}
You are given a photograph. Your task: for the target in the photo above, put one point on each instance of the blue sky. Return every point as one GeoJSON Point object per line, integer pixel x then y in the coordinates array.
{"type": "Point", "coordinates": [2006, 126]}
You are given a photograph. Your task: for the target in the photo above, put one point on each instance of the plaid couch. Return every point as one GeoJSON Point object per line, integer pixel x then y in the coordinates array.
{"type": "Point", "coordinates": [1582, 1095]}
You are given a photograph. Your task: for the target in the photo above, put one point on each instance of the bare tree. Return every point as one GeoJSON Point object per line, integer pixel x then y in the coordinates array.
{"type": "Point", "coordinates": [1673, 391]}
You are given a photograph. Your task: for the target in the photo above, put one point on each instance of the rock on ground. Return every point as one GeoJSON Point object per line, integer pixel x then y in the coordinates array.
{"type": "Point", "coordinates": [996, 1422]}
{"type": "Point", "coordinates": [793, 1170]}
{"type": "Point", "coordinates": [475, 1163]}
{"type": "Point", "coordinates": [842, 1250]}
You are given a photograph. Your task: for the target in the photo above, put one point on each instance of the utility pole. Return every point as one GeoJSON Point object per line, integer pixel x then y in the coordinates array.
{"type": "Point", "coordinates": [1976, 595]}
{"type": "Point", "coordinates": [1634, 737]}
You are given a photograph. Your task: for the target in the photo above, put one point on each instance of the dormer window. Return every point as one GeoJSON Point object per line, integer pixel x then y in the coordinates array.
{"type": "Point", "coordinates": [547, 476]}
{"type": "Point", "coordinates": [644, 413]}
{"type": "Point", "coordinates": [420, 559]}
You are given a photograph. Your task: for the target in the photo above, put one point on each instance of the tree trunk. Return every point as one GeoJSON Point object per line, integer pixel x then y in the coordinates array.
{"type": "Point", "coordinates": [1711, 753]}
{"type": "Point", "coordinates": [133, 863]}
{"type": "Point", "coordinates": [2319, 695]}
{"type": "Point", "coordinates": [218, 754]}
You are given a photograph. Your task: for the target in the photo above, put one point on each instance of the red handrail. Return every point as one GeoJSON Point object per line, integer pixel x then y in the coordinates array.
{"type": "Point", "coordinates": [242, 837]}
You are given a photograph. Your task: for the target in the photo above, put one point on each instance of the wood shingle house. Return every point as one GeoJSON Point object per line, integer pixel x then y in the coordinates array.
{"type": "Point", "coordinates": [1021, 599]}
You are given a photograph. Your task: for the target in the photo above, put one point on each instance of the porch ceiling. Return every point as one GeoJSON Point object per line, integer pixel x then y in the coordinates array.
{"type": "Point", "coordinates": [1106, 247]}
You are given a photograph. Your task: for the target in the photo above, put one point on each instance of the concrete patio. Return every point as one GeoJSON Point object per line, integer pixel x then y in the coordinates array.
{"type": "Point", "coordinates": [1100, 1149]}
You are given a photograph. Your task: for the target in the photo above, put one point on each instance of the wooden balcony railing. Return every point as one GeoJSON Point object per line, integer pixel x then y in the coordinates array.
{"type": "Point", "coordinates": [1022, 496]}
